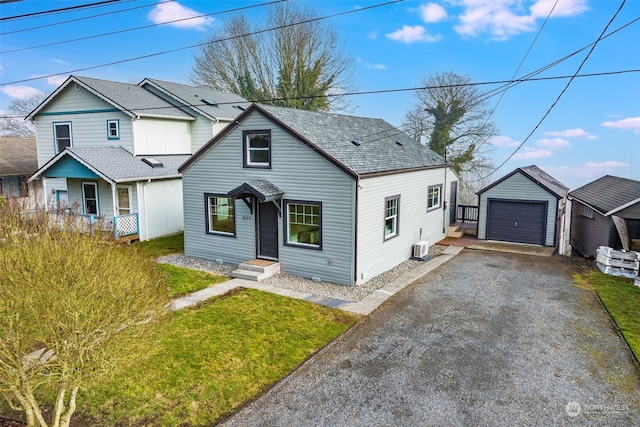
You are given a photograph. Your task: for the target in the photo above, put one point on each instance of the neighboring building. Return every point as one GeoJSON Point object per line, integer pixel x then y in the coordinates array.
{"type": "Point", "coordinates": [331, 197]}
{"type": "Point", "coordinates": [18, 161]}
{"type": "Point", "coordinates": [113, 149]}
{"type": "Point", "coordinates": [525, 206]}
{"type": "Point", "coordinates": [593, 207]}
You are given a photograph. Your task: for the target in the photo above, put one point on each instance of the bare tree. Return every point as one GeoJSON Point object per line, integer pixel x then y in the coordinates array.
{"type": "Point", "coordinates": [295, 63]}
{"type": "Point", "coordinates": [71, 306]}
{"type": "Point", "coordinates": [13, 123]}
{"type": "Point", "coordinates": [450, 117]}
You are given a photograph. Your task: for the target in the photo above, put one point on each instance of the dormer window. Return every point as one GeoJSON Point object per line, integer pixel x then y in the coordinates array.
{"type": "Point", "coordinates": [256, 149]}
{"type": "Point", "coordinates": [113, 129]}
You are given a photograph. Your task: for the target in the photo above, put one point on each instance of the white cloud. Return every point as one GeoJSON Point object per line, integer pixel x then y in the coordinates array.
{"type": "Point", "coordinates": [505, 18]}
{"type": "Point", "coordinates": [59, 61]}
{"type": "Point", "coordinates": [432, 12]}
{"type": "Point", "coordinates": [503, 141]}
{"type": "Point", "coordinates": [411, 34]}
{"type": "Point", "coordinates": [553, 144]}
{"type": "Point", "coordinates": [172, 11]}
{"type": "Point", "coordinates": [56, 80]}
{"type": "Point", "coordinates": [571, 133]}
{"type": "Point", "coordinates": [531, 153]}
{"type": "Point", "coordinates": [541, 8]}
{"type": "Point", "coordinates": [630, 123]}
{"type": "Point", "coordinates": [21, 92]}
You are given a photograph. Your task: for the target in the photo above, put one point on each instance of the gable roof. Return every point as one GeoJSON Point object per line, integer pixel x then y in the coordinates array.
{"type": "Point", "coordinates": [130, 99]}
{"type": "Point", "coordinates": [539, 177]}
{"type": "Point", "coordinates": [210, 103]}
{"type": "Point", "coordinates": [380, 148]}
{"type": "Point", "coordinates": [115, 164]}
{"type": "Point", "coordinates": [18, 156]}
{"type": "Point", "coordinates": [608, 194]}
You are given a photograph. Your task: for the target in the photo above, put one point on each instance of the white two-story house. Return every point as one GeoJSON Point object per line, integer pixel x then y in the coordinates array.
{"type": "Point", "coordinates": [111, 151]}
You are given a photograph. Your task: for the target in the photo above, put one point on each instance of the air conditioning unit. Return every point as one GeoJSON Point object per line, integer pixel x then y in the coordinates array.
{"type": "Point", "coordinates": [420, 249]}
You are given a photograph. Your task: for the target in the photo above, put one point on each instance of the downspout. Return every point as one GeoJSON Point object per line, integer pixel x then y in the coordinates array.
{"type": "Point", "coordinates": [444, 192]}
{"type": "Point", "coordinates": [355, 229]}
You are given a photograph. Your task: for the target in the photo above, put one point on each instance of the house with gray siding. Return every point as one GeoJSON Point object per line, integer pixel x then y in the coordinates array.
{"type": "Point", "coordinates": [18, 161]}
{"type": "Point", "coordinates": [331, 197]}
{"type": "Point", "coordinates": [525, 206]}
{"type": "Point", "coordinates": [112, 149]}
{"type": "Point", "coordinates": [593, 209]}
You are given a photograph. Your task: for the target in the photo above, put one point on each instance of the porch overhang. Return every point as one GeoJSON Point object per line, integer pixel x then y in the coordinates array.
{"type": "Point", "coordinates": [261, 190]}
{"type": "Point", "coordinates": [68, 165]}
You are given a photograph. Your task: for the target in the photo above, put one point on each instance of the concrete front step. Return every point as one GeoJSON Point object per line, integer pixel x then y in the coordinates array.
{"type": "Point", "coordinates": [256, 270]}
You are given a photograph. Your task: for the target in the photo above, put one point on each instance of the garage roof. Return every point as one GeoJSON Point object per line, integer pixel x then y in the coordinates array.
{"type": "Point", "coordinates": [608, 194]}
{"type": "Point", "coordinates": [538, 176]}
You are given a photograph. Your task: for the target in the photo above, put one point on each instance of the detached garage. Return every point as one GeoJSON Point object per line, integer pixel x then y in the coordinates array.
{"type": "Point", "coordinates": [525, 206]}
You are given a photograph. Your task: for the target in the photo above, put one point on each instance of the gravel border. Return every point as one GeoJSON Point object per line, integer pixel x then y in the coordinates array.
{"type": "Point", "coordinates": [302, 284]}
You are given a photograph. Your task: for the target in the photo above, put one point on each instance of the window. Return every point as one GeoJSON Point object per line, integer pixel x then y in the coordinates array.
{"type": "Point", "coordinates": [257, 149]}
{"type": "Point", "coordinates": [90, 198]}
{"type": "Point", "coordinates": [220, 215]}
{"type": "Point", "coordinates": [62, 135]}
{"type": "Point", "coordinates": [304, 224]}
{"type": "Point", "coordinates": [124, 200]}
{"type": "Point", "coordinates": [391, 216]}
{"type": "Point", "coordinates": [113, 129]}
{"type": "Point", "coordinates": [433, 197]}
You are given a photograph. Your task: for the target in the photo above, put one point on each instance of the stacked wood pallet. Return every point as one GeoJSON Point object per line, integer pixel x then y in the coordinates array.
{"type": "Point", "coordinates": [618, 263]}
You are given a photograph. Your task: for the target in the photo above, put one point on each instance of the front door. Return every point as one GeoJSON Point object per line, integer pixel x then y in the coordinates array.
{"type": "Point", "coordinates": [267, 231]}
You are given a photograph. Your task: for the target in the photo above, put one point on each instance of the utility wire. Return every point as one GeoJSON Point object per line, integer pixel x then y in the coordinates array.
{"type": "Point", "coordinates": [143, 27]}
{"type": "Point", "coordinates": [561, 93]}
{"type": "Point", "coordinates": [150, 55]}
{"type": "Point", "coordinates": [382, 91]}
{"type": "Point", "coordinates": [38, 27]}
{"type": "Point", "coordinates": [63, 9]}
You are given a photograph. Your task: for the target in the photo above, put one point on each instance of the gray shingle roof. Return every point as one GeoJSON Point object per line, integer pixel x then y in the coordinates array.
{"type": "Point", "coordinates": [118, 165]}
{"type": "Point", "coordinates": [263, 189]}
{"type": "Point", "coordinates": [210, 102]}
{"type": "Point", "coordinates": [383, 148]}
{"type": "Point", "coordinates": [538, 176]}
{"type": "Point", "coordinates": [133, 98]}
{"type": "Point", "coordinates": [608, 194]}
{"type": "Point", "coordinates": [545, 179]}
{"type": "Point", "coordinates": [18, 156]}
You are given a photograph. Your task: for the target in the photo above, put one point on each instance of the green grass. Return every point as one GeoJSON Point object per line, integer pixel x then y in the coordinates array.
{"type": "Point", "coordinates": [161, 246]}
{"type": "Point", "coordinates": [621, 298]}
{"type": "Point", "coordinates": [210, 360]}
{"type": "Point", "coordinates": [182, 281]}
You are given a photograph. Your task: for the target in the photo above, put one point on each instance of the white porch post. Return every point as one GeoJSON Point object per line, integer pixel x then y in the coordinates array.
{"type": "Point", "coordinates": [114, 194]}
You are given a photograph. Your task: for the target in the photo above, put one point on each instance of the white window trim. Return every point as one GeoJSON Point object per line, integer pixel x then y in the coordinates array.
{"type": "Point", "coordinates": [210, 230]}
{"type": "Point", "coordinates": [84, 199]}
{"type": "Point", "coordinates": [439, 205]}
{"type": "Point", "coordinates": [396, 216]}
{"type": "Point", "coordinates": [117, 137]}
{"type": "Point", "coordinates": [247, 149]}
{"type": "Point", "coordinates": [55, 135]}
{"type": "Point", "coordinates": [129, 189]}
{"type": "Point", "coordinates": [288, 241]}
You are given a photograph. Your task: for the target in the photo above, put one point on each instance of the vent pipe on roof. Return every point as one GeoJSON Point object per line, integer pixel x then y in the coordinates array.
{"type": "Point", "coordinates": [356, 142]}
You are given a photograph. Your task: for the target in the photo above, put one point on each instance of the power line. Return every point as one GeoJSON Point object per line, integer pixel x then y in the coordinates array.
{"type": "Point", "coordinates": [150, 55]}
{"type": "Point", "coordinates": [395, 90]}
{"type": "Point", "coordinates": [561, 93]}
{"type": "Point", "coordinates": [143, 27]}
{"type": "Point", "coordinates": [83, 18]}
{"type": "Point", "coordinates": [63, 9]}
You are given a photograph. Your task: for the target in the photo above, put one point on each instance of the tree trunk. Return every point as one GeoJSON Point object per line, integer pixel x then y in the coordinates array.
{"type": "Point", "coordinates": [59, 408]}
{"type": "Point", "coordinates": [66, 418]}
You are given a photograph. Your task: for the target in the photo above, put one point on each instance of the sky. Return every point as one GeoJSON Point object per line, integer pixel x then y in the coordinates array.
{"type": "Point", "coordinates": [589, 130]}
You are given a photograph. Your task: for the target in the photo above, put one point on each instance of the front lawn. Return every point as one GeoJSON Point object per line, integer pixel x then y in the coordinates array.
{"type": "Point", "coordinates": [211, 359]}
{"type": "Point", "coordinates": [161, 246]}
{"type": "Point", "coordinates": [183, 281]}
{"type": "Point", "coordinates": [621, 298]}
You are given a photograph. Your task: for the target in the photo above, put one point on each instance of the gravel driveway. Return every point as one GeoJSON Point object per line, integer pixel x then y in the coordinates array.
{"type": "Point", "coordinates": [486, 339]}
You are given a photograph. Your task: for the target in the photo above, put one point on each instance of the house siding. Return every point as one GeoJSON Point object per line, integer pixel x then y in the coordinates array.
{"type": "Point", "coordinates": [631, 212]}
{"type": "Point", "coordinates": [519, 187]}
{"type": "Point", "coordinates": [160, 208]}
{"type": "Point", "coordinates": [588, 233]}
{"type": "Point", "coordinates": [105, 197]}
{"type": "Point", "coordinates": [161, 136]}
{"type": "Point", "coordinates": [376, 255]}
{"type": "Point", "coordinates": [297, 170]}
{"type": "Point", "coordinates": [88, 115]}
